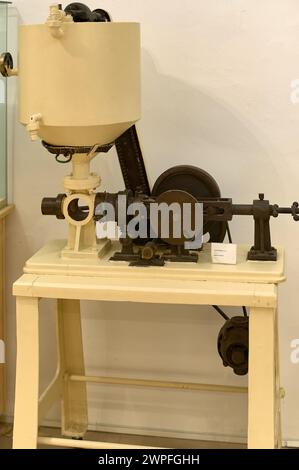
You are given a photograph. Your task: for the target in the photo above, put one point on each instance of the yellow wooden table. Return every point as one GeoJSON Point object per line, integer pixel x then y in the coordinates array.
{"type": "Point", "coordinates": [46, 275]}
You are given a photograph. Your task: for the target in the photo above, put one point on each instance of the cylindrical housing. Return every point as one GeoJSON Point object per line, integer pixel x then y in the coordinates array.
{"type": "Point", "coordinates": [85, 84]}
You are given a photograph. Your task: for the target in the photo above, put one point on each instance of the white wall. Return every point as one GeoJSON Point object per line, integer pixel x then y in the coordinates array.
{"type": "Point", "coordinates": [216, 93]}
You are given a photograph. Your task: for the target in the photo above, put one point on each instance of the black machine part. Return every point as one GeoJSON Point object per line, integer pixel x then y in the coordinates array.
{"type": "Point", "coordinates": [53, 206]}
{"type": "Point", "coordinates": [131, 162]}
{"type": "Point", "coordinates": [6, 63]}
{"type": "Point", "coordinates": [233, 343]}
{"type": "Point", "coordinates": [64, 153]}
{"type": "Point", "coordinates": [82, 14]}
{"type": "Point", "coordinates": [214, 209]}
{"type": "Point", "coordinates": [199, 184]}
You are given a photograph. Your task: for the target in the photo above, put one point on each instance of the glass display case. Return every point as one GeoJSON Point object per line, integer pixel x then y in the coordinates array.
{"type": "Point", "coordinates": [3, 108]}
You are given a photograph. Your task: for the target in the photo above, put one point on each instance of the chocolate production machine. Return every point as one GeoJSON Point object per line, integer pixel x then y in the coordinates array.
{"type": "Point", "coordinates": [79, 93]}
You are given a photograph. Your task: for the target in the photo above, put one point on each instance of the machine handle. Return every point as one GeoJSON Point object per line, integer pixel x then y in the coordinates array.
{"type": "Point", "coordinates": [293, 210]}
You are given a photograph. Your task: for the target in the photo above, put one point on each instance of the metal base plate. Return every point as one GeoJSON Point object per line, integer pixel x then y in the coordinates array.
{"type": "Point", "coordinates": [258, 255]}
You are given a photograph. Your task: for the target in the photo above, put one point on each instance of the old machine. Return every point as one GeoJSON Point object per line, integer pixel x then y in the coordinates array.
{"type": "Point", "coordinates": [86, 51]}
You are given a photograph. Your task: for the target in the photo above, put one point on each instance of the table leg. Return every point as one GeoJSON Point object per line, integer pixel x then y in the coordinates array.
{"type": "Point", "coordinates": [278, 437]}
{"type": "Point", "coordinates": [27, 375]}
{"type": "Point", "coordinates": [263, 397]}
{"type": "Point", "coordinates": [74, 402]}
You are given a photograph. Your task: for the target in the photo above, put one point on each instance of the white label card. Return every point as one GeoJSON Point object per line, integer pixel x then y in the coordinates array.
{"type": "Point", "coordinates": [224, 253]}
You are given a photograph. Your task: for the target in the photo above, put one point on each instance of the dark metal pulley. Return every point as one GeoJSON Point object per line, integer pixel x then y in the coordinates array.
{"type": "Point", "coordinates": [199, 184]}
{"type": "Point", "coordinates": [6, 64]}
{"type": "Point", "coordinates": [233, 344]}
{"type": "Point", "coordinates": [82, 14]}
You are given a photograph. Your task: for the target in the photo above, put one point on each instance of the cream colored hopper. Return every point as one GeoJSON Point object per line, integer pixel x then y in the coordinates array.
{"type": "Point", "coordinates": [82, 88]}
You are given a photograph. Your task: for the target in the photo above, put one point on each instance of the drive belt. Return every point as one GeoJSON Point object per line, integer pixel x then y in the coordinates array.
{"type": "Point", "coordinates": [131, 161]}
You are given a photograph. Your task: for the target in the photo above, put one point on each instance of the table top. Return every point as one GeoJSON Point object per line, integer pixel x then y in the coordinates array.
{"type": "Point", "coordinates": [250, 283]}
{"type": "Point", "coordinates": [48, 261]}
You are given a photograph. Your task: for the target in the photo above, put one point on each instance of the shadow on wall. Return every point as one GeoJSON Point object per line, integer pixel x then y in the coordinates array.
{"type": "Point", "coordinates": [182, 124]}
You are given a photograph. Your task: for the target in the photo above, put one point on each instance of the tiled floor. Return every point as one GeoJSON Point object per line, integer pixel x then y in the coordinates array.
{"type": "Point", "coordinates": [6, 440]}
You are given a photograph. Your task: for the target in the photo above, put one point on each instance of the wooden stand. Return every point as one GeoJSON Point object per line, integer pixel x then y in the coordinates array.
{"type": "Point", "coordinates": [4, 212]}
{"type": "Point", "coordinates": [47, 275]}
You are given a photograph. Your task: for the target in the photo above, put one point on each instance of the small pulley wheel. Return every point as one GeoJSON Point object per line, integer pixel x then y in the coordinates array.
{"type": "Point", "coordinates": [233, 344]}
{"type": "Point", "coordinates": [6, 64]}
{"type": "Point", "coordinates": [101, 15]}
{"type": "Point", "coordinates": [82, 14]}
{"type": "Point", "coordinates": [199, 184]}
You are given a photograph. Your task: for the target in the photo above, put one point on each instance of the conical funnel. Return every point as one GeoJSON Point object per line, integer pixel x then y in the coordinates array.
{"type": "Point", "coordinates": [82, 87]}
